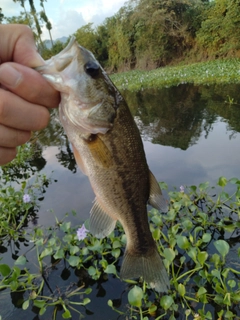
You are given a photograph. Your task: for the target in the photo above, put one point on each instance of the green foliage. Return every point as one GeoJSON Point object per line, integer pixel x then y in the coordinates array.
{"type": "Point", "coordinates": [55, 49]}
{"type": "Point", "coordinates": [146, 34]}
{"type": "Point", "coordinates": [1, 16]}
{"type": "Point", "coordinates": [86, 37]}
{"type": "Point", "coordinates": [217, 71]}
{"type": "Point", "coordinates": [184, 235]}
{"type": "Point", "coordinates": [219, 33]}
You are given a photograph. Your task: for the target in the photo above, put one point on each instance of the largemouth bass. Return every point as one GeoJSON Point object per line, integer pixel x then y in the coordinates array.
{"type": "Point", "coordinates": [109, 150]}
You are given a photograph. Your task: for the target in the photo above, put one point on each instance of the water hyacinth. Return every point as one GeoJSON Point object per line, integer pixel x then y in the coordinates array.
{"type": "Point", "coordinates": [181, 189]}
{"type": "Point", "coordinates": [26, 198]}
{"type": "Point", "coordinates": [82, 232]}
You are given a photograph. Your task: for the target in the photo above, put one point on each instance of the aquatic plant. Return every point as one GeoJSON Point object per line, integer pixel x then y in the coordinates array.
{"type": "Point", "coordinates": [198, 239]}
{"type": "Point", "coordinates": [223, 71]}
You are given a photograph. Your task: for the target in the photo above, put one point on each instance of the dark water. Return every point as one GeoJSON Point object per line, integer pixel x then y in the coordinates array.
{"type": "Point", "coordinates": [191, 135]}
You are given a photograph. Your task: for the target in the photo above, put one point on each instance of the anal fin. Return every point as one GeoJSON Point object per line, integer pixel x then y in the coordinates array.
{"type": "Point", "coordinates": [156, 198]}
{"type": "Point", "coordinates": [101, 224]}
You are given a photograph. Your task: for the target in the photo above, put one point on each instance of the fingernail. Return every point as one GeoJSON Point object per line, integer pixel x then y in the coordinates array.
{"type": "Point", "coordinates": [9, 76]}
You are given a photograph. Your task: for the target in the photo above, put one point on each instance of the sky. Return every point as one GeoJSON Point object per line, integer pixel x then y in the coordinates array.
{"type": "Point", "coordinates": [66, 16]}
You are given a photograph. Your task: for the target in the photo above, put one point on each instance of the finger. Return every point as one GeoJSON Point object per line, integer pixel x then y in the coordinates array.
{"type": "Point", "coordinates": [28, 84]}
{"type": "Point", "coordinates": [7, 155]}
{"type": "Point", "coordinates": [17, 44]}
{"type": "Point", "coordinates": [20, 114]}
{"type": "Point", "coordinates": [11, 138]}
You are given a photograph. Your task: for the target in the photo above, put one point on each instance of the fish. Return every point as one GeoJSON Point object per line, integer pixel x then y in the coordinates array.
{"type": "Point", "coordinates": [108, 148]}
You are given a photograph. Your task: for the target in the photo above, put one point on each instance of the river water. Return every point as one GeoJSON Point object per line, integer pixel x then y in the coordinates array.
{"type": "Point", "coordinates": [191, 135]}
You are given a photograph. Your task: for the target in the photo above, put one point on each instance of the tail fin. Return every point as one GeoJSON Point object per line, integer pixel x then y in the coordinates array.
{"type": "Point", "coordinates": [151, 268]}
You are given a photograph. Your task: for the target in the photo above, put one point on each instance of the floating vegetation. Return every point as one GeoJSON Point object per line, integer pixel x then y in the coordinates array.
{"type": "Point", "coordinates": [223, 71]}
{"type": "Point", "coordinates": [198, 239]}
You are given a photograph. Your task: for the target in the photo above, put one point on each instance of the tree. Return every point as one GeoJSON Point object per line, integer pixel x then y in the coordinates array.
{"type": "Point", "coordinates": [22, 19]}
{"type": "Point", "coordinates": [87, 38]}
{"type": "Point", "coordinates": [46, 20]}
{"type": "Point", "coordinates": [220, 31]}
{"type": "Point", "coordinates": [1, 16]}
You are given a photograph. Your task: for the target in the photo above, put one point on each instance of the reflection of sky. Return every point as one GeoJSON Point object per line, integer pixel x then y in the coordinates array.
{"type": "Point", "coordinates": [70, 192]}
{"type": "Point", "coordinates": [205, 161]}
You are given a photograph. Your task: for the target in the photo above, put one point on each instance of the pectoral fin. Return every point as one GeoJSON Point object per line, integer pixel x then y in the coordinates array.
{"type": "Point", "coordinates": [101, 224]}
{"type": "Point", "coordinates": [100, 152]}
{"type": "Point", "coordinates": [78, 159]}
{"type": "Point", "coordinates": [156, 199]}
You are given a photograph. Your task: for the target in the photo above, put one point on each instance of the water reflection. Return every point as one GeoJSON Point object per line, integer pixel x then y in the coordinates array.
{"type": "Point", "coordinates": [178, 116]}
{"type": "Point", "coordinates": [191, 135]}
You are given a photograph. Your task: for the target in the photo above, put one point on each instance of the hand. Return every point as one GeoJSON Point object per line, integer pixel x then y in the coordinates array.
{"type": "Point", "coordinates": [24, 94]}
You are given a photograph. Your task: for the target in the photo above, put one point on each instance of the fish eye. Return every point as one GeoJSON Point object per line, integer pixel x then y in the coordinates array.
{"type": "Point", "coordinates": [92, 69]}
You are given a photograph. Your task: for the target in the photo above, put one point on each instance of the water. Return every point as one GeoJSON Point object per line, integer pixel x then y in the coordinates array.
{"type": "Point", "coordinates": [191, 135]}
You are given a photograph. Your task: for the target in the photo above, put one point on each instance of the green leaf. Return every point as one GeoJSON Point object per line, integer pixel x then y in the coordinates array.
{"type": "Point", "coordinates": [228, 315]}
{"type": "Point", "coordinates": [169, 254]}
{"type": "Point", "coordinates": [111, 269]}
{"type": "Point", "coordinates": [74, 249]}
{"type": "Point", "coordinates": [92, 271]}
{"type": "Point", "coordinates": [230, 227]}
{"type": "Point", "coordinates": [203, 186]}
{"type": "Point", "coordinates": [222, 181]}
{"type": "Point", "coordinates": [166, 302]}
{"type": "Point", "coordinates": [227, 299]}
{"type": "Point", "coordinates": [39, 303]}
{"type": "Point", "coordinates": [156, 234]}
{"type": "Point", "coordinates": [181, 289]}
{"type": "Point", "coordinates": [222, 247]}
{"type": "Point", "coordinates": [66, 314]}
{"type": "Point", "coordinates": [86, 301]}
{"type": "Point", "coordinates": [42, 311]}
{"type": "Point", "coordinates": [193, 254]}
{"type": "Point", "coordinates": [116, 253]}
{"type": "Point", "coordinates": [232, 283]}
{"type": "Point", "coordinates": [116, 244]}
{"type": "Point", "coordinates": [183, 242]}
{"type": "Point", "coordinates": [21, 260]}
{"type": "Point", "coordinates": [88, 290]}
{"type": "Point", "coordinates": [5, 270]}
{"type": "Point", "coordinates": [201, 291]}
{"type": "Point", "coordinates": [73, 261]}
{"type": "Point", "coordinates": [25, 305]}
{"type": "Point", "coordinates": [59, 254]}
{"type": "Point", "coordinates": [46, 252]}
{"type": "Point", "coordinates": [216, 273]}
{"type": "Point", "coordinates": [206, 237]}
{"type": "Point", "coordinates": [202, 257]}
{"type": "Point", "coordinates": [135, 296]}
{"type": "Point", "coordinates": [110, 303]}
{"type": "Point", "coordinates": [208, 315]}
{"type": "Point", "coordinates": [187, 224]}
{"type": "Point", "coordinates": [65, 226]}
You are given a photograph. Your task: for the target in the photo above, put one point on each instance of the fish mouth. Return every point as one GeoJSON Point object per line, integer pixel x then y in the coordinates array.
{"type": "Point", "coordinates": [42, 69]}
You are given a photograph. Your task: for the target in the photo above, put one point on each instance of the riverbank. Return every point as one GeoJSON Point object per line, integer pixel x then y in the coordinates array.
{"type": "Point", "coordinates": [222, 71]}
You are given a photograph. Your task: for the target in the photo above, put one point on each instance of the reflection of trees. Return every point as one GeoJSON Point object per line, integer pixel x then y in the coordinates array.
{"type": "Point", "coordinates": [218, 99]}
{"type": "Point", "coordinates": [170, 116]}
{"type": "Point", "coordinates": [54, 135]}
{"type": "Point", "coordinates": [177, 116]}
{"type": "Point", "coordinates": [66, 157]}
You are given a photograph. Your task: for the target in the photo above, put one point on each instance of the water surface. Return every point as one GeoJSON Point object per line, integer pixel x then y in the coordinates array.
{"type": "Point", "coordinates": [190, 134]}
